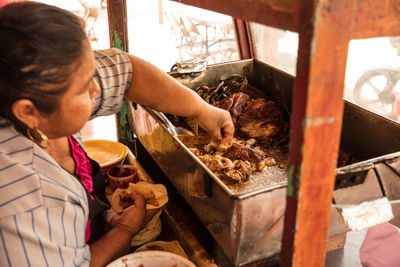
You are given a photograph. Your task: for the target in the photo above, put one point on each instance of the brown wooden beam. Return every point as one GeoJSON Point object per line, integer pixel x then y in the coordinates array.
{"type": "Point", "coordinates": [324, 33]}
{"type": "Point", "coordinates": [243, 39]}
{"type": "Point", "coordinates": [275, 13]}
{"type": "Point", "coordinates": [371, 18]}
{"type": "Point", "coordinates": [376, 18]}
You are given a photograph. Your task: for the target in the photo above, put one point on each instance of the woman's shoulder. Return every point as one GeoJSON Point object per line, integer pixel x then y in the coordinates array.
{"type": "Point", "coordinates": [111, 57]}
{"type": "Point", "coordinates": [20, 188]}
{"type": "Point", "coordinates": [12, 142]}
{"type": "Point", "coordinates": [30, 179]}
{"type": "Point", "coordinates": [113, 75]}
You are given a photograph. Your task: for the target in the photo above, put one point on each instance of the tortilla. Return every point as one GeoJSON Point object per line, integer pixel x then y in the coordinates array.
{"type": "Point", "coordinates": [155, 195]}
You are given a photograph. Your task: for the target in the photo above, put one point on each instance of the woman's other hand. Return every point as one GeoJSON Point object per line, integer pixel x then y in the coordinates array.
{"type": "Point", "coordinates": [134, 218]}
{"type": "Point", "coordinates": [125, 225]}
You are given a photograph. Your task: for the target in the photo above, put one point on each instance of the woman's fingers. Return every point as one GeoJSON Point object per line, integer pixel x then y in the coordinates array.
{"type": "Point", "coordinates": [135, 217]}
{"type": "Point", "coordinates": [218, 123]}
{"type": "Point", "coordinates": [138, 200]}
{"type": "Point", "coordinates": [227, 133]}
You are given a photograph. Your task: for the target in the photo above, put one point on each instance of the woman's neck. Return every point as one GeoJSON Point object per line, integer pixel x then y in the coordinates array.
{"type": "Point", "coordinates": [60, 150]}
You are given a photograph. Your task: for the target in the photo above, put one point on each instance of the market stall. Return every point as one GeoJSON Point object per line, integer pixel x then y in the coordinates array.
{"type": "Point", "coordinates": [321, 123]}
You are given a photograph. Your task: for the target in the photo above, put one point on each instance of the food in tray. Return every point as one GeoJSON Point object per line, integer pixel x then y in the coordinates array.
{"type": "Point", "coordinates": [237, 163]}
{"type": "Point", "coordinates": [155, 195]}
{"type": "Point", "coordinates": [254, 117]}
{"type": "Point", "coordinates": [261, 131]}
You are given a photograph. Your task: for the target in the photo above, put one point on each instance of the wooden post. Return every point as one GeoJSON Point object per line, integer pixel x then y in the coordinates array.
{"type": "Point", "coordinates": [118, 30]}
{"type": "Point", "coordinates": [243, 39]}
{"type": "Point", "coordinates": [324, 32]}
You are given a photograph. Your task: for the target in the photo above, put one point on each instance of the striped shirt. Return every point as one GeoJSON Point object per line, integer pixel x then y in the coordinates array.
{"type": "Point", "coordinates": [43, 209]}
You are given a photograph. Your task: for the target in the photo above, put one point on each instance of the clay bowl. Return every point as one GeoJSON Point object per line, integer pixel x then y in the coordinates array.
{"type": "Point", "coordinates": [121, 176]}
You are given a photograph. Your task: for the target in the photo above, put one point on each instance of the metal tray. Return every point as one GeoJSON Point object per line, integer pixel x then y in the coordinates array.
{"type": "Point", "coordinates": [248, 225]}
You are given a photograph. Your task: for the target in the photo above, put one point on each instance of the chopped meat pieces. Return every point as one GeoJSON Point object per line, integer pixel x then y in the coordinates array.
{"type": "Point", "coordinates": [125, 199]}
{"type": "Point", "coordinates": [261, 119]}
{"type": "Point", "coordinates": [237, 151]}
{"type": "Point", "coordinates": [260, 125]}
{"type": "Point", "coordinates": [216, 162]}
{"type": "Point", "coordinates": [235, 104]}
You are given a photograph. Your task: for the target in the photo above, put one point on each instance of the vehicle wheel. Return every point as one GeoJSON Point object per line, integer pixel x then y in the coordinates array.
{"type": "Point", "coordinates": [374, 90]}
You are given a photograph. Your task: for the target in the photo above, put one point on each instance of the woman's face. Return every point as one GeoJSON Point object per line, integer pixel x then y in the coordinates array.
{"type": "Point", "coordinates": [76, 103]}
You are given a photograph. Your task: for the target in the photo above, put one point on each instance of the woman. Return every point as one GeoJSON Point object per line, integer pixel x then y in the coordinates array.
{"type": "Point", "coordinates": [51, 83]}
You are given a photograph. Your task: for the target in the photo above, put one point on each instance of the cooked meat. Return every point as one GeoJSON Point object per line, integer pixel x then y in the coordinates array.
{"type": "Point", "coordinates": [259, 129]}
{"type": "Point", "coordinates": [234, 176]}
{"type": "Point", "coordinates": [261, 119]}
{"type": "Point", "coordinates": [237, 151]}
{"type": "Point", "coordinates": [243, 167]}
{"type": "Point", "coordinates": [235, 104]}
{"type": "Point", "coordinates": [259, 125]}
{"type": "Point", "coordinates": [261, 109]}
{"type": "Point", "coordinates": [240, 102]}
{"type": "Point", "coordinates": [221, 147]}
{"type": "Point", "coordinates": [125, 199]}
{"type": "Point", "coordinates": [216, 162]}
{"type": "Point", "coordinates": [270, 162]}
{"type": "Point", "coordinates": [195, 151]}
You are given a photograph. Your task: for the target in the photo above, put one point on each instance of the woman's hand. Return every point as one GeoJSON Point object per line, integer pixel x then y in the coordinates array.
{"type": "Point", "coordinates": [116, 242]}
{"type": "Point", "coordinates": [217, 122]}
{"type": "Point", "coordinates": [154, 88]}
{"type": "Point", "coordinates": [134, 218]}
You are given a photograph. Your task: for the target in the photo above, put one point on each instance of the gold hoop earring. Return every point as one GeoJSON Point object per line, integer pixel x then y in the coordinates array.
{"type": "Point", "coordinates": [38, 137]}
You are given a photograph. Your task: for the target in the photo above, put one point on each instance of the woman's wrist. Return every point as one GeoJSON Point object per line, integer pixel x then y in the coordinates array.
{"type": "Point", "coordinates": [126, 229]}
{"type": "Point", "coordinates": [201, 110]}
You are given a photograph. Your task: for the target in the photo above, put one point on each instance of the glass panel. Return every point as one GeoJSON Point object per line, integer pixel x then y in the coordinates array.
{"type": "Point", "coordinates": [275, 47]}
{"type": "Point", "coordinates": [372, 71]}
{"type": "Point", "coordinates": [94, 12]}
{"type": "Point", "coordinates": [162, 32]}
{"type": "Point", "coordinates": [372, 75]}
{"type": "Point", "coordinates": [165, 32]}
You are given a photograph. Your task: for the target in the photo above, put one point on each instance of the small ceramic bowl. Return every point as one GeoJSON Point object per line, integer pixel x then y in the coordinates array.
{"type": "Point", "coordinates": [121, 176]}
{"type": "Point", "coordinates": [107, 153]}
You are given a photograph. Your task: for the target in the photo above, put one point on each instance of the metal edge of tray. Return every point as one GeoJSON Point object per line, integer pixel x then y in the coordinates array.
{"type": "Point", "coordinates": [367, 164]}
{"type": "Point", "coordinates": [245, 65]}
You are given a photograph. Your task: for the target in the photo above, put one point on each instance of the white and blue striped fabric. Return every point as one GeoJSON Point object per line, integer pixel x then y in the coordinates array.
{"type": "Point", "coordinates": [43, 209]}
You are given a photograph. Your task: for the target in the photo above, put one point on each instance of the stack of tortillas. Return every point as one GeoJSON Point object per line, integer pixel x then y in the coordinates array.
{"type": "Point", "coordinates": [155, 195]}
{"type": "Point", "coordinates": [149, 232]}
{"type": "Point", "coordinates": [159, 196]}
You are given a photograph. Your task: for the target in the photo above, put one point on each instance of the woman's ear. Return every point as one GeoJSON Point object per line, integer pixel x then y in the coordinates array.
{"type": "Point", "coordinates": [25, 111]}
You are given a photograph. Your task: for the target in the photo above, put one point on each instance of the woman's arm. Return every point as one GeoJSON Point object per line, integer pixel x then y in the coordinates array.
{"type": "Point", "coordinates": [154, 88]}
{"type": "Point", "coordinates": [116, 242]}
{"type": "Point", "coordinates": [110, 246]}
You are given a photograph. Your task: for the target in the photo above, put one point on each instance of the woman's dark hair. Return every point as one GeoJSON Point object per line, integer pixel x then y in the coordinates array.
{"type": "Point", "coordinates": [39, 45]}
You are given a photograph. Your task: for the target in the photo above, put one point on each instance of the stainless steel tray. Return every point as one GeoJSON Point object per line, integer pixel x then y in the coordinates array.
{"type": "Point", "coordinates": [248, 225]}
